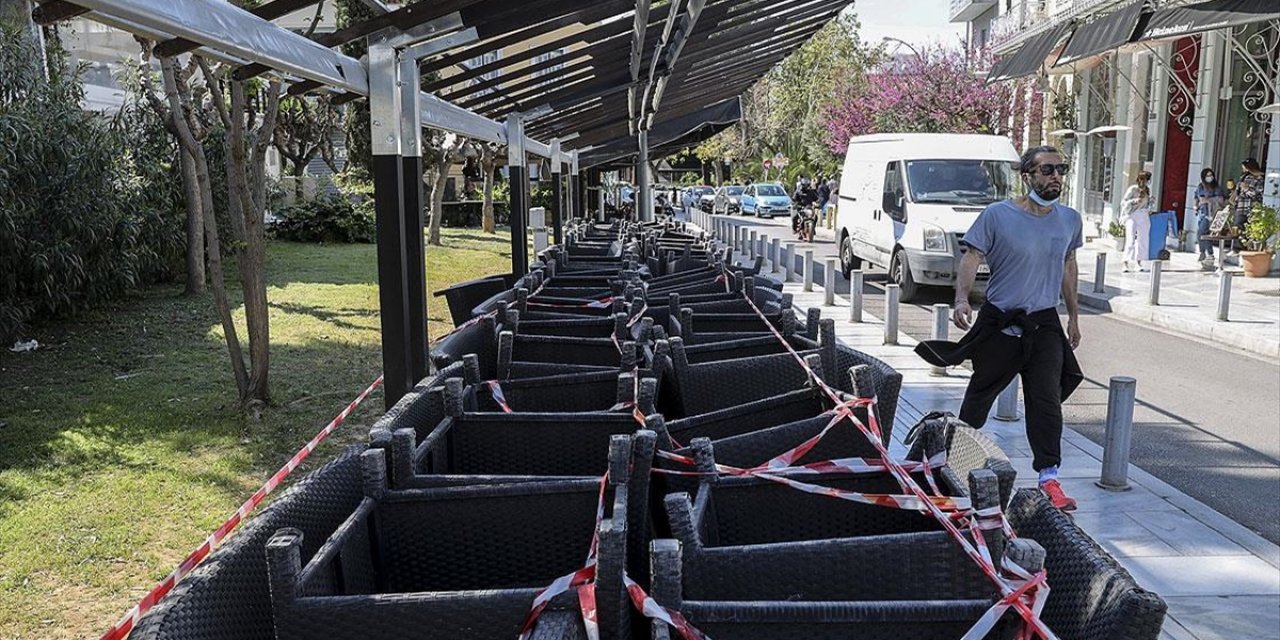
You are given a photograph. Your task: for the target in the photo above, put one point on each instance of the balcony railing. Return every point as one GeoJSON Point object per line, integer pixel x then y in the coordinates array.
{"type": "Point", "coordinates": [1027, 18]}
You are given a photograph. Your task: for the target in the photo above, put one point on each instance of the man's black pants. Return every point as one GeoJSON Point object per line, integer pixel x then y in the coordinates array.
{"type": "Point", "coordinates": [1000, 357]}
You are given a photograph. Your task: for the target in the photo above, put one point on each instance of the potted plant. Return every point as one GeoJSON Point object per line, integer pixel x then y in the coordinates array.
{"type": "Point", "coordinates": [1260, 240]}
{"type": "Point", "coordinates": [1116, 231]}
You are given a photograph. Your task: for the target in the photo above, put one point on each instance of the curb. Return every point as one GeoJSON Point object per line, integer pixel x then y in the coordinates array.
{"type": "Point", "coordinates": [1219, 333]}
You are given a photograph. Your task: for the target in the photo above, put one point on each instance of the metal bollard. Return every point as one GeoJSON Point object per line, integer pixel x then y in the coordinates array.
{"type": "Point", "coordinates": [829, 283]}
{"type": "Point", "coordinates": [1100, 273]}
{"type": "Point", "coordinates": [855, 295]}
{"type": "Point", "coordinates": [941, 323]}
{"type": "Point", "coordinates": [807, 265]}
{"type": "Point", "coordinates": [762, 245]}
{"type": "Point", "coordinates": [1007, 403]}
{"type": "Point", "coordinates": [775, 249]}
{"type": "Point", "coordinates": [751, 244]}
{"type": "Point", "coordinates": [891, 297]}
{"type": "Point", "coordinates": [1153, 296]}
{"type": "Point", "coordinates": [1119, 436]}
{"type": "Point", "coordinates": [789, 262]}
{"type": "Point", "coordinates": [1224, 295]}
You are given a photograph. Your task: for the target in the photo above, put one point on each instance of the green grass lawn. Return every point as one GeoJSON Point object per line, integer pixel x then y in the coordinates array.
{"type": "Point", "coordinates": [123, 447]}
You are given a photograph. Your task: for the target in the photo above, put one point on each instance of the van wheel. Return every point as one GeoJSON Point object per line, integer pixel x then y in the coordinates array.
{"type": "Point", "coordinates": [848, 261]}
{"type": "Point", "coordinates": [900, 274]}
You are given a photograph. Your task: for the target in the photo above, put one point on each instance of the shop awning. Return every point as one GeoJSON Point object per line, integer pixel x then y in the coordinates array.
{"type": "Point", "coordinates": [1105, 33]}
{"type": "Point", "coordinates": [1176, 22]}
{"type": "Point", "coordinates": [1031, 57]}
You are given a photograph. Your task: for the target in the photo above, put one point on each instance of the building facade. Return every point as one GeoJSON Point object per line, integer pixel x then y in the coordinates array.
{"type": "Point", "coordinates": [1154, 99]}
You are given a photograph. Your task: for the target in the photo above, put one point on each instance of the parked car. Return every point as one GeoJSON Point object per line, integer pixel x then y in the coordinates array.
{"type": "Point", "coordinates": [906, 200]}
{"type": "Point", "coordinates": [728, 200]}
{"type": "Point", "coordinates": [700, 194]}
{"type": "Point", "coordinates": [765, 200]}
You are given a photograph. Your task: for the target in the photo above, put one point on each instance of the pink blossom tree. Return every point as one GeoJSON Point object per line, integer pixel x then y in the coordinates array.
{"type": "Point", "coordinates": [939, 91]}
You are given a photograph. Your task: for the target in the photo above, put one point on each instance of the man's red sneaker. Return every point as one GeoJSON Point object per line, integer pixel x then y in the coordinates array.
{"type": "Point", "coordinates": [1057, 496]}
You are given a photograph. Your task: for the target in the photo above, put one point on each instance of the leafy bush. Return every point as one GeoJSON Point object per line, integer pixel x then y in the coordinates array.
{"type": "Point", "coordinates": [328, 219]}
{"type": "Point", "coordinates": [83, 220]}
{"type": "Point", "coordinates": [1115, 229]}
{"type": "Point", "coordinates": [1261, 228]}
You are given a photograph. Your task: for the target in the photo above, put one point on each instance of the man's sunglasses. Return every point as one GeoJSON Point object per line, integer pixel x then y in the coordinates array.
{"type": "Point", "coordinates": [1048, 169]}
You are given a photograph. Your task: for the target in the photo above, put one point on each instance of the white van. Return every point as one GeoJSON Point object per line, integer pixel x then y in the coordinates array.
{"type": "Point", "coordinates": [906, 200]}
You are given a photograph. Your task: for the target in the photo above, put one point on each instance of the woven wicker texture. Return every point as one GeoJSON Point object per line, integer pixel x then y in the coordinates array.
{"type": "Point", "coordinates": [228, 598]}
{"type": "Point", "coordinates": [1092, 597]}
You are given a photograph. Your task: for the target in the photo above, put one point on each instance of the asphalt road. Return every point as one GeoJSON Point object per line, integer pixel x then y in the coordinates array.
{"type": "Point", "coordinates": [1207, 419]}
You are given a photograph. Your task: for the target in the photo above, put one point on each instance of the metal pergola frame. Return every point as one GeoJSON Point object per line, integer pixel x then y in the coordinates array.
{"type": "Point", "coordinates": [625, 65]}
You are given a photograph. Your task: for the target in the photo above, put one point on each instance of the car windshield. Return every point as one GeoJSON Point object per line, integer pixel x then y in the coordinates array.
{"type": "Point", "coordinates": [702, 191]}
{"type": "Point", "coordinates": [769, 190]}
{"type": "Point", "coordinates": [734, 191]}
{"type": "Point", "coordinates": [972, 182]}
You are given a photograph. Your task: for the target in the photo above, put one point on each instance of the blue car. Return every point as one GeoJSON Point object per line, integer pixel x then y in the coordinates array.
{"type": "Point", "coordinates": [764, 200]}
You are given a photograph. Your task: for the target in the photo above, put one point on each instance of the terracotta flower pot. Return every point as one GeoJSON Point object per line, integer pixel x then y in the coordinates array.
{"type": "Point", "coordinates": [1256, 264]}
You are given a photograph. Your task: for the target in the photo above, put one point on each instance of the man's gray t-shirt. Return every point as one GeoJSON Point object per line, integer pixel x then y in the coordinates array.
{"type": "Point", "coordinates": [1026, 253]}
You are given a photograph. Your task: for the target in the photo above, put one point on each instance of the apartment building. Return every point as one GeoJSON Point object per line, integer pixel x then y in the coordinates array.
{"type": "Point", "coordinates": [1168, 86]}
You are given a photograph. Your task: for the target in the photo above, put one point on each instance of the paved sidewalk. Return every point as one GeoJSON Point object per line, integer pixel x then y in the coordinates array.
{"type": "Point", "coordinates": [1220, 579]}
{"type": "Point", "coordinates": [1188, 300]}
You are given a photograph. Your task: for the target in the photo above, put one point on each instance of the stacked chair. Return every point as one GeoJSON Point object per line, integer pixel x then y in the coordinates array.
{"type": "Point", "coordinates": [641, 439]}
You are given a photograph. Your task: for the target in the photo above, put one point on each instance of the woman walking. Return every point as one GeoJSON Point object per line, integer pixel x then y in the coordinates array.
{"type": "Point", "coordinates": [1137, 226]}
{"type": "Point", "coordinates": [1210, 197]}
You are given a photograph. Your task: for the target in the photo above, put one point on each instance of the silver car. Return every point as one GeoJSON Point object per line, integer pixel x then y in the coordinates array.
{"type": "Point", "coordinates": [728, 200]}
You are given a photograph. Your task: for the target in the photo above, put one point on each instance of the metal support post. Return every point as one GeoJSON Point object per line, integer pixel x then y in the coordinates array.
{"type": "Point", "coordinates": [807, 265]}
{"type": "Point", "coordinates": [389, 215]}
{"type": "Point", "coordinates": [557, 195]}
{"type": "Point", "coordinates": [577, 186]}
{"type": "Point", "coordinates": [1007, 403]}
{"type": "Point", "coordinates": [1224, 295]}
{"type": "Point", "coordinates": [1119, 435]}
{"type": "Point", "coordinates": [775, 248]}
{"type": "Point", "coordinates": [1100, 273]}
{"type": "Point", "coordinates": [644, 204]}
{"type": "Point", "coordinates": [941, 324]}
{"type": "Point", "coordinates": [829, 283]}
{"type": "Point", "coordinates": [891, 297]}
{"type": "Point", "coordinates": [789, 262]}
{"type": "Point", "coordinates": [1153, 296]}
{"type": "Point", "coordinates": [519, 195]}
{"type": "Point", "coordinates": [751, 244]}
{"type": "Point", "coordinates": [855, 295]}
{"type": "Point", "coordinates": [414, 220]}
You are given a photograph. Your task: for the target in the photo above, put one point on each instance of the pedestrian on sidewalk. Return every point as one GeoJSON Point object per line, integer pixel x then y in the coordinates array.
{"type": "Point", "coordinates": [1210, 197]}
{"type": "Point", "coordinates": [1136, 206]}
{"type": "Point", "coordinates": [1030, 244]}
{"type": "Point", "coordinates": [1248, 191]}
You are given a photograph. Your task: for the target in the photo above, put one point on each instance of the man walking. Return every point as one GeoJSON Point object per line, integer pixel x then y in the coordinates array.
{"type": "Point", "coordinates": [1030, 243]}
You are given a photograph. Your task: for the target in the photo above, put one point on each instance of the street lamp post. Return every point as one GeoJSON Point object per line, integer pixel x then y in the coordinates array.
{"type": "Point", "coordinates": [903, 43]}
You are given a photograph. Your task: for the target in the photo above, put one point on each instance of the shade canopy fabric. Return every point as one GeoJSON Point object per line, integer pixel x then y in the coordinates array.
{"type": "Point", "coordinates": [1031, 57]}
{"type": "Point", "coordinates": [1105, 33]}
{"type": "Point", "coordinates": [667, 136]}
{"type": "Point", "coordinates": [1176, 22]}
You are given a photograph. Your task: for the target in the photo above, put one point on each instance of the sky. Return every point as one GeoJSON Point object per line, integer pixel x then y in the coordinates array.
{"type": "Point", "coordinates": [916, 21]}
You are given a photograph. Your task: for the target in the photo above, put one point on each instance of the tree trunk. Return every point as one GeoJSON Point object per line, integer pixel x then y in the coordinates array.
{"type": "Point", "coordinates": [487, 218]}
{"type": "Point", "coordinates": [16, 15]}
{"type": "Point", "coordinates": [195, 224]}
{"type": "Point", "coordinates": [192, 148]}
{"type": "Point", "coordinates": [246, 185]}
{"type": "Point", "coordinates": [437, 196]}
{"type": "Point", "coordinates": [299, 193]}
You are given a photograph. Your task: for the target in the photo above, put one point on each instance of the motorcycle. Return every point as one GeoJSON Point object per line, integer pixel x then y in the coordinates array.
{"type": "Point", "coordinates": [803, 223]}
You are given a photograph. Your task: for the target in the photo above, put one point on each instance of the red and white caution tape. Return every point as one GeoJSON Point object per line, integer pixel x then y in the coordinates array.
{"type": "Point", "coordinates": [1011, 594]}
{"type": "Point", "coordinates": [122, 628]}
